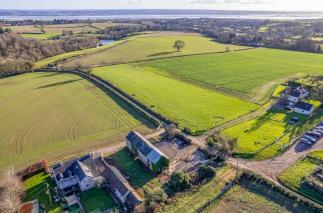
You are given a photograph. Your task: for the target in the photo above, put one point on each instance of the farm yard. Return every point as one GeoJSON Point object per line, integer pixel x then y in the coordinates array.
{"type": "Point", "coordinates": [192, 107]}
{"type": "Point", "coordinates": [151, 46]}
{"type": "Point", "coordinates": [52, 115]}
{"type": "Point", "coordinates": [293, 176]}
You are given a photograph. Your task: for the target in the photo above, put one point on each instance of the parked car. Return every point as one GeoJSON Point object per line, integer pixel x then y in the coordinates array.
{"type": "Point", "coordinates": [293, 120]}
{"type": "Point", "coordinates": [312, 139]}
{"type": "Point", "coordinates": [316, 134]}
{"type": "Point", "coordinates": [313, 135]}
{"type": "Point", "coordinates": [318, 130]}
{"type": "Point", "coordinates": [307, 142]}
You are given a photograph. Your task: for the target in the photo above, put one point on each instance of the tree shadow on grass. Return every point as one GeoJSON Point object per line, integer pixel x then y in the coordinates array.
{"type": "Point", "coordinates": [38, 191]}
{"type": "Point", "coordinates": [49, 75]}
{"type": "Point", "coordinates": [58, 84]}
{"type": "Point", "coordinates": [161, 53]}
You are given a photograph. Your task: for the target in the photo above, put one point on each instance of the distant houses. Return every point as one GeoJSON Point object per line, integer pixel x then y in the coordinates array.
{"type": "Point", "coordinates": [91, 171]}
{"type": "Point", "coordinates": [292, 97]}
{"type": "Point", "coordinates": [295, 94]}
{"type": "Point", "coordinates": [150, 155]}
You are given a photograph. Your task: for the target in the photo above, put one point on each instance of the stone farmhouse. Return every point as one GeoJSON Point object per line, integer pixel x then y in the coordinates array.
{"type": "Point", "coordinates": [150, 155]}
{"type": "Point", "coordinates": [91, 171]}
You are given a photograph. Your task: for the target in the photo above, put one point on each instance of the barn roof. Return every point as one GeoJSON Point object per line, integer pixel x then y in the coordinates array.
{"type": "Point", "coordinates": [304, 106]}
{"type": "Point", "coordinates": [145, 147]}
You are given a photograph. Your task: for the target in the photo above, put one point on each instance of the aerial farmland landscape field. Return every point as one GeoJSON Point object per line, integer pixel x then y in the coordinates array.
{"type": "Point", "coordinates": [160, 110]}
{"type": "Point", "coordinates": [33, 132]}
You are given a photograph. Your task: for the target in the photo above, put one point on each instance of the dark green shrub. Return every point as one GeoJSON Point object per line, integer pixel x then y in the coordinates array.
{"type": "Point", "coordinates": [179, 181]}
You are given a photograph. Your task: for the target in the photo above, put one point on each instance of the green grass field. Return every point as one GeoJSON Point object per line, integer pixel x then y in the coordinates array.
{"type": "Point", "coordinates": [190, 106]}
{"type": "Point", "coordinates": [42, 36]}
{"type": "Point", "coordinates": [191, 201]}
{"type": "Point", "coordinates": [97, 200]}
{"type": "Point", "coordinates": [35, 188]}
{"type": "Point", "coordinates": [50, 115]}
{"type": "Point", "coordinates": [150, 46]}
{"type": "Point", "coordinates": [293, 176]}
{"type": "Point", "coordinates": [46, 61]}
{"type": "Point", "coordinates": [268, 135]}
{"type": "Point", "coordinates": [254, 197]}
{"type": "Point", "coordinates": [250, 72]}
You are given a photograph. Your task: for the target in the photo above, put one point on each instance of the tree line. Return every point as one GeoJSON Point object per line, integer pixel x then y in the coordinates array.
{"type": "Point", "coordinates": [17, 54]}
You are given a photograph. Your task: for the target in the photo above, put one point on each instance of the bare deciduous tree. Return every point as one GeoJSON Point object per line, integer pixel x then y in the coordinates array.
{"type": "Point", "coordinates": [11, 191]}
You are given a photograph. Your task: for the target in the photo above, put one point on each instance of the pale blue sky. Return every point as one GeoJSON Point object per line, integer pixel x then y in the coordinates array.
{"type": "Point", "coordinates": [301, 5]}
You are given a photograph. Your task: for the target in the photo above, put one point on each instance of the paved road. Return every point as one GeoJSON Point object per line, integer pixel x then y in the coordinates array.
{"type": "Point", "coordinates": [273, 167]}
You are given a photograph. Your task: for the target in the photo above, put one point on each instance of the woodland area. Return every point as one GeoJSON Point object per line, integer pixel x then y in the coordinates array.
{"type": "Point", "coordinates": [17, 53]}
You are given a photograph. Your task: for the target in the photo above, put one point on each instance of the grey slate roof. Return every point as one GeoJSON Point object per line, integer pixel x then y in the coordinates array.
{"type": "Point", "coordinates": [82, 171]}
{"type": "Point", "coordinates": [304, 106]}
{"type": "Point", "coordinates": [145, 147]}
{"type": "Point", "coordinates": [116, 181]}
{"type": "Point", "coordinates": [88, 165]}
{"type": "Point", "coordinates": [295, 93]}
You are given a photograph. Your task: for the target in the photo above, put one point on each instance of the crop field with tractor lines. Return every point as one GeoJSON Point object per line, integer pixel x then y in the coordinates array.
{"type": "Point", "coordinates": [51, 115]}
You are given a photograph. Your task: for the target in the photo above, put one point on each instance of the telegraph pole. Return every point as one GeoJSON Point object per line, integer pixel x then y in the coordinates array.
{"type": "Point", "coordinates": [47, 191]}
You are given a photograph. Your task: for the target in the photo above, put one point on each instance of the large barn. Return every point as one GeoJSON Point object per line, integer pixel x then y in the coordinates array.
{"type": "Point", "coordinates": [150, 155]}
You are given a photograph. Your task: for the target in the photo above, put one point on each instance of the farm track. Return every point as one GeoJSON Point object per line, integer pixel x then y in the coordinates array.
{"type": "Point", "coordinates": [272, 168]}
{"type": "Point", "coordinates": [238, 120]}
{"type": "Point", "coordinates": [109, 106]}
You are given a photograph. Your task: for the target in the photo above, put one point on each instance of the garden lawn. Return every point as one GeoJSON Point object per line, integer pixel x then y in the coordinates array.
{"type": "Point", "coordinates": [250, 72]}
{"type": "Point", "coordinates": [35, 188]}
{"type": "Point", "coordinates": [293, 176]}
{"type": "Point", "coordinates": [268, 135]}
{"type": "Point", "coordinates": [192, 107]}
{"type": "Point", "coordinates": [139, 175]}
{"type": "Point", "coordinates": [254, 197]}
{"type": "Point", "coordinates": [97, 200]}
{"type": "Point", "coordinates": [150, 46]}
{"type": "Point", "coordinates": [53, 115]}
